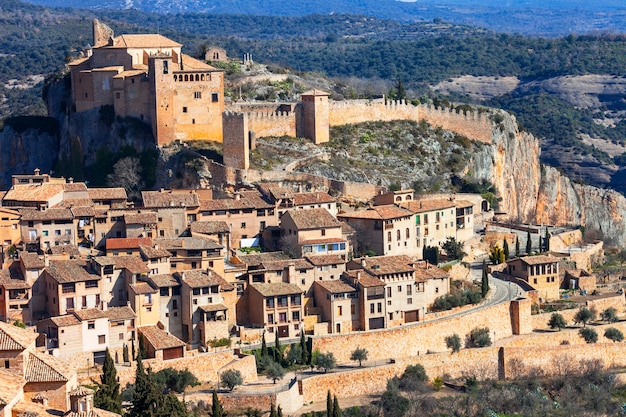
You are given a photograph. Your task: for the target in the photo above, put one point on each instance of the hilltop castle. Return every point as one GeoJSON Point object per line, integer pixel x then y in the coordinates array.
{"type": "Point", "coordinates": [149, 78]}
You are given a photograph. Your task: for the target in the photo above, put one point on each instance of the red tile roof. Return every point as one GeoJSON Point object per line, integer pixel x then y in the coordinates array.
{"type": "Point", "coordinates": [325, 260]}
{"type": "Point", "coordinates": [423, 206]}
{"type": "Point", "coordinates": [89, 314]}
{"type": "Point", "coordinates": [363, 278]}
{"type": "Point", "coordinates": [249, 200]}
{"type": "Point", "coordinates": [197, 278]}
{"type": "Point", "coordinates": [161, 199]}
{"type": "Point", "coordinates": [127, 242]}
{"type": "Point", "coordinates": [42, 367]}
{"type": "Point", "coordinates": [316, 218]}
{"type": "Point", "coordinates": [386, 212]}
{"type": "Point", "coordinates": [15, 338]}
{"type": "Point", "coordinates": [335, 286]}
{"type": "Point", "coordinates": [48, 214]}
{"type": "Point", "coordinates": [160, 339]}
{"type": "Point", "coordinates": [100, 194]}
{"type": "Point", "coordinates": [69, 271]}
{"type": "Point", "coordinates": [384, 265]}
{"type": "Point", "coordinates": [209, 227]}
{"type": "Point", "coordinates": [274, 289]}
{"type": "Point", "coordinates": [140, 218]}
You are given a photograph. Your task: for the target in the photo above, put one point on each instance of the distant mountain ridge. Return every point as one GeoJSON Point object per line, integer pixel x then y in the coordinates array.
{"type": "Point", "coordinates": [533, 17]}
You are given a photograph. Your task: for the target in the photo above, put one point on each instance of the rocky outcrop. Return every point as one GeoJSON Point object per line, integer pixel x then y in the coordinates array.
{"type": "Point", "coordinates": [540, 194]}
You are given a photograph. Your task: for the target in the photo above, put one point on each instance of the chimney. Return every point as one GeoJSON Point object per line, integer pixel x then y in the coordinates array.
{"type": "Point", "coordinates": [182, 243]}
{"type": "Point", "coordinates": [237, 196]}
{"type": "Point", "coordinates": [358, 275]}
{"type": "Point", "coordinates": [105, 305]}
{"type": "Point", "coordinates": [363, 263]}
{"type": "Point", "coordinates": [37, 171]}
{"type": "Point", "coordinates": [70, 180]}
{"type": "Point", "coordinates": [46, 260]}
{"type": "Point", "coordinates": [182, 275]}
{"type": "Point", "coordinates": [291, 273]}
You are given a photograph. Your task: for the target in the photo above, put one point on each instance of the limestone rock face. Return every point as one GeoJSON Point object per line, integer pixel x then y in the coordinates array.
{"type": "Point", "coordinates": [540, 194]}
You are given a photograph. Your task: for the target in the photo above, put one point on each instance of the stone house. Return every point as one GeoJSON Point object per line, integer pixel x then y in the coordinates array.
{"type": "Point", "coordinates": [372, 306]}
{"type": "Point", "coordinates": [208, 306]}
{"type": "Point", "coordinates": [276, 307]}
{"type": "Point", "coordinates": [218, 231]}
{"type": "Point", "coordinates": [170, 302]}
{"type": "Point", "coordinates": [70, 285]}
{"type": "Point", "coordinates": [313, 232]}
{"type": "Point", "coordinates": [339, 305]}
{"type": "Point", "coordinates": [435, 221]}
{"type": "Point", "coordinates": [157, 259]}
{"type": "Point", "coordinates": [193, 253]}
{"type": "Point", "coordinates": [126, 246]}
{"type": "Point", "coordinates": [9, 231]}
{"type": "Point", "coordinates": [540, 271]}
{"type": "Point", "coordinates": [286, 199]}
{"type": "Point", "coordinates": [386, 230]}
{"type": "Point", "coordinates": [42, 229]}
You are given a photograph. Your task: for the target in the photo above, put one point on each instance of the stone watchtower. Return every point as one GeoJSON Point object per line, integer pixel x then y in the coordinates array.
{"type": "Point", "coordinates": [160, 68]}
{"type": "Point", "coordinates": [315, 118]}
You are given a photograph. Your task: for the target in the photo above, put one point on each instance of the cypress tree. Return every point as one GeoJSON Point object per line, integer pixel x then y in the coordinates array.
{"type": "Point", "coordinates": [336, 408]}
{"type": "Point", "coordinates": [108, 396]}
{"type": "Point", "coordinates": [517, 246]}
{"type": "Point", "coordinates": [216, 407]}
{"type": "Point", "coordinates": [505, 248]}
{"type": "Point", "coordinates": [279, 412]}
{"type": "Point", "coordinates": [329, 404]}
{"type": "Point", "coordinates": [546, 241]}
{"type": "Point", "coordinates": [529, 243]}
{"type": "Point", "coordinates": [273, 410]}
{"type": "Point", "coordinates": [264, 353]}
{"type": "Point", "coordinates": [305, 348]}
{"type": "Point", "coordinates": [484, 285]}
{"type": "Point", "coordinates": [145, 398]}
{"type": "Point", "coordinates": [277, 354]}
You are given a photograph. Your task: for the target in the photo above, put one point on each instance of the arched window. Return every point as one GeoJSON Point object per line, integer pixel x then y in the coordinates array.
{"type": "Point", "coordinates": [398, 234]}
{"type": "Point", "coordinates": [197, 77]}
{"type": "Point", "coordinates": [186, 77]}
{"type": "Point", "coordinates": [175, 77]}
{"type": "Point", "coordinates": [398, 198]}
{"type": "Point", "coordinates": [389, 236]}
{"type": "Point", "coordinates": [202, 77]}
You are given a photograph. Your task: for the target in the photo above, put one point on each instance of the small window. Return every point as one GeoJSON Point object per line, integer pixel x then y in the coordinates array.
{"type": "Point", "coordinates": [91, 325]}
{"type": "Point", "coordinates": [214, 97]}
{"type": "Point", "coordinates": [102, 339]}
{"type": "Point", "coordinates": [184, 109]}
{"type": "Point", "coordinates": [6, 364]}
{"type": "Point", "coordinates": [197, 94]}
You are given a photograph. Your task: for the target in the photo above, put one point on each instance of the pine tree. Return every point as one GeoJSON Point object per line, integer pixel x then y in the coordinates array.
{"type": "Point", "coordinates": [336, 408]}
{"type": "Point", "coordinates": [329, 404]}
{"type": "Point", "coordinates": [517, 246]}
{"type": "Point", "coordinates": [484, 287]}
{"type": "Point", "coordinates": [529, 243]}
{"type": "Point", "coordinates": [216, 407]}
{"type": "Point", "coordinates": [108, 396]}
{"type": "Point", "coordinates": [505, 248]}
{"type": "Point", "coordinates": [264, 353]}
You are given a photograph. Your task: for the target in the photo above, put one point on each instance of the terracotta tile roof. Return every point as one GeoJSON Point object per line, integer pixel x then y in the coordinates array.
{"type": "Point", "coordinates": [209, 308]}
{"type": "Point", "coordinates": [12, 384]}
{"type": "Point", "coordinates": [133, 264]}
{"type": "Point", "coordinates": [463, 203]}
{"type": "Point", "coordinates": [127, 242]}
{"type": "Point", "coordinates": [209, 227]}
{"type": "Point", "coordinates": [315, 218]}
{"type": "Point", "coordinates": [386, 212]}
{"type": "Point", "coordinates": [197, 278]}
{"type": "Point", "coordinates": [64, 321]}
{"type": "Point", "coordinates": [384, 265]}
{"type": "Point", "coordinates": [256, 259]}
{"type": "Point", "coordinates": [193, 243]}
{"type": "Point", "coordinates": [142, 41]}
{"type": "Point", "coordinates": [27, 408]}
{"type": "Point", "coordinates": [32, 260]}
{"type": "Point", "coordinates": [321, 241]}
{"type": "Point", "coordinates": [89, 314]}
{"type": "Point", "coordinates": [274, 289]}
{"type": "Point", "coordinates": [539, 259]}
{"type": "Point", "coordinates": [15, 338]}
{"type": "Point", "coordinates": [284, 264]}
{"type": "Point", "coordinates": [160, 339]}
{"type": "Point", "coordinates": [423, 206]}
{"type": "Point", "coordinates": [69, 271]}
{"type": "Point", "coordinates": [159, 199]}
{"type": "Point", "coordinates": [335, 286]}
{"type": "Point", "coordinates": [74, 186]}
{"type": "Point", "coordinates": [325, 260]}
{"type": "Point", "coordinates": [36, 193]}
{"type": "Point", "coordinates": [163, 280]}
{"type": "Point", "coordinates": [301, 199]}
{"type": "Point", "coordinates": [48, 214]}
{"type": "Point", "coordinates": [152, 253]}
{"type": "Point", "coordinates": [142, 287]}
{"type": "Point", "coordinates": [11, 278]}
{"type": "Point", "coordinates": [425, 271]}
{"type": "Point", "coordinates": [119, 313]}
{"type": "Point", "coordinates": [71, 250]}
{"type": "Point", "coordinates": [42, 367]}
{"type": "Point", "coordinates": [358, 276]}
{"type": "Point", "coordinates": [141, 218]}
{"type": "Point", "coordinates": [249, 200]}
{"type": "Point", "coordinates": [276, 192]}
{"type": "Point", "coordinates": [75, 202]}
{"type": "Point", "coordinates": [107, 194]}
{"type": "Point", "coordinates": [190, 63]}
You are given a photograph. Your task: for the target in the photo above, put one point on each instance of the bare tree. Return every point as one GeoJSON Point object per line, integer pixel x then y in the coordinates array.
{"type": "Point", "coordinates": [127, 174]}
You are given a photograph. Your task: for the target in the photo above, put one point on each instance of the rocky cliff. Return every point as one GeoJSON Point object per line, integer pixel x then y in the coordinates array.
{"type": "Point", "coordinates": [536, 193]}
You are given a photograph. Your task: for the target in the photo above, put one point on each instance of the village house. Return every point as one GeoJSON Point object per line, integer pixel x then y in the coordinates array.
{"type": "Point", "coordinates": [70, 285]}
{"type": "Point", "coordinates": [339, 305]}
{"type": "Point", "coordinates": [126, 246]}
{"type": "Point", "coordinates": [286, 199]}
{"type": "Point", "coordinates": [313, 232]}
{"type": "Point", "coordinates": [165, 201]}
{"type": "Point", "coordinates": [277, 307]}
{"type": "Point", "coordinates": [208, 306]}
{"type": "Point", "coordinates": [170, 302]}
{"type": "Point", "coordinates": [193, 253]}
{"type": "Point", "coordinates": [540, 271]}
{"type": "Point", "coordinates": [9, 231]}
{"type": "Point", "coordinates": [160, 344]}
{"type": "Point", "coordinates": [435, 221]}
{"type": "Point", "coordinates": [372, 306]}
{"type": "Point", "coordinates": [385, 230]}
{"type": "Point", "coordinates": [218, 231]}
